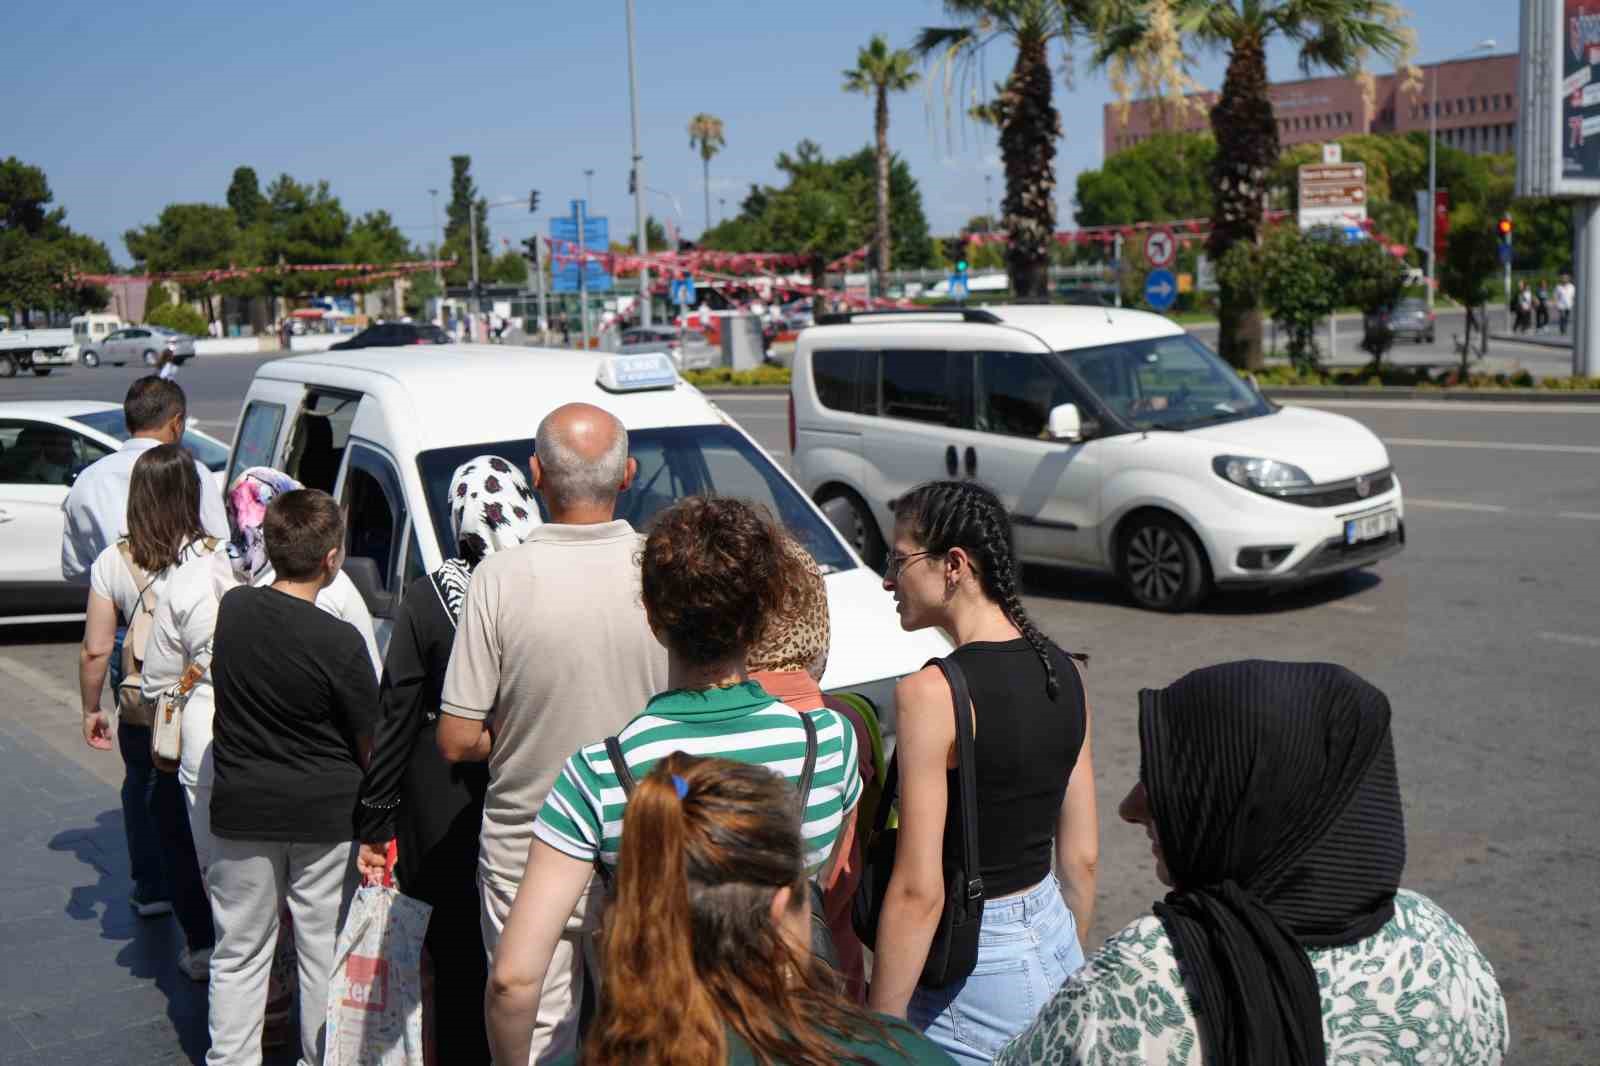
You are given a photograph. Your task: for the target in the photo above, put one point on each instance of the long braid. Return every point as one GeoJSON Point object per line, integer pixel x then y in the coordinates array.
{"type": "Point", "coordinates": [999, 576]}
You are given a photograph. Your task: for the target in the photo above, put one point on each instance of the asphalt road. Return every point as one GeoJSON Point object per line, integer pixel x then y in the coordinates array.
{"type": "Point", "coordinates": [1485, 634]}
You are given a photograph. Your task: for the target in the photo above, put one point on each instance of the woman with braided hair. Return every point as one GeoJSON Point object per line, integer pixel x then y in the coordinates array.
{"type": "Point", "coordinates": [952, 566]}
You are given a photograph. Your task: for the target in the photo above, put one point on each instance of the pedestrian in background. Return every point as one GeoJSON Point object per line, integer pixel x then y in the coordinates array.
{"type": "Point", "coordinates": [1541, 306]}
{"type": "Point", "coordinates": [953, 567]}
{"type": "Point", "coordinates": [712, 905]}
{"type": "Point", "coordinates": [410, 794]}
{"type": "Point", "coordinates": [295, 704]}
{"type": "Point", "coordinates": [129, 578]}
{"type": "Point", "coordinates": [553, 650]}
{"type": "Point", "coordinates": [712, 572]}
{"type": "Point", "coordinates": [1566, 294]}
{"type": "Point", "coordinates": [1269, 794]}
{"type": "Point", "coordinates": [1524, 308]}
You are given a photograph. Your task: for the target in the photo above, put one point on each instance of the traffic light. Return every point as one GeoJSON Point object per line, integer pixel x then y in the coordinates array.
{"type": "Point", "coordinates": [955, 252]}
{"type": "Point", "coordinates": [533, 202]}
{"type": "Point", "coordinates": [530, 248]}
{"type": "Point", "coordinates": [1505, 230]}
{"type": "Point", "coordinates": [961, 266]}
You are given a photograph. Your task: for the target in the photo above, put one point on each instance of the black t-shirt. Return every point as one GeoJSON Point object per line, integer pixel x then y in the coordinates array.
{"type": "Point", "coordinates": [295, 694]}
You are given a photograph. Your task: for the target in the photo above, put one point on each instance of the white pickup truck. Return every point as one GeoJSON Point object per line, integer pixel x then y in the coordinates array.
{"type": "Point", "coordinates": [39, 350]}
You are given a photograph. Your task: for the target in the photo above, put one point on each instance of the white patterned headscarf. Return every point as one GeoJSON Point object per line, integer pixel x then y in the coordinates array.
{"type": "Point", "coordinates": [491, 509]}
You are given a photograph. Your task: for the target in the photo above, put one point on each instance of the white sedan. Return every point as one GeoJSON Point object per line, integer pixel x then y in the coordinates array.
{"type": "Point", "coordinates": [44, 446]}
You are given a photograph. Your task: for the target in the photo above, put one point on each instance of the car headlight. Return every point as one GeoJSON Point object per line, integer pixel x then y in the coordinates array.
{"type": "Point", "coordinates": [1259, 475]}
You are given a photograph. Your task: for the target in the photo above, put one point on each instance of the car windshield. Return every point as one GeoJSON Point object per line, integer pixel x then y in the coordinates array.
{"type": "Point", "coordinates": [213, 455]}
{"type": "Point", "coordinates": [1165, 383]}
{"type": "Point", "coordinates": [673, 463]}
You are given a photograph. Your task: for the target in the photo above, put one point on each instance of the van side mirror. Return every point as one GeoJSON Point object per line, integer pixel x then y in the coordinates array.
{"type": "Point", "coordinates": [368, 580]}
{"type": "Point", "coordinates": [1065, 423]}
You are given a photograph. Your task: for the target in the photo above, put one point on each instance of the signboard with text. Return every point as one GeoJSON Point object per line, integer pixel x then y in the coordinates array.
{"type": "Point", "coordinates": [1332, 194]}
{"type": "Point", "coordinates": [564, 236]}
{"type": "Point", "coordinates": [1558, 137]}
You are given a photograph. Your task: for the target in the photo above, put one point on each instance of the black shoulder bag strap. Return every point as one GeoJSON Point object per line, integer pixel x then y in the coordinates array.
{"type": "Point", "coordinates": [967, 775]}
{"type": "Point", "coordinates": [808, 770]}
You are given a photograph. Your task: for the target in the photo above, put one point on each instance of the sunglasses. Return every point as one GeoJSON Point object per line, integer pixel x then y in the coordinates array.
{"type": "Point", "coordinates": [897, 562]}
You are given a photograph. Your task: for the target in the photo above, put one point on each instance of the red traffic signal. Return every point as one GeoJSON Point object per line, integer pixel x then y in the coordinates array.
{"type": "Point", "coordinates": [1505, 229]}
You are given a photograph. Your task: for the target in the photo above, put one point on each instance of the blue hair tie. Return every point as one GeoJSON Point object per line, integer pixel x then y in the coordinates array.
{"type": "Point", "coordinates": [680, 785]}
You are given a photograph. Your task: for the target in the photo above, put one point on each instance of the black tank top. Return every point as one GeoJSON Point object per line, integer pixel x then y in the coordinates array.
{"type": "Point", "coordinates": [1026, 746]}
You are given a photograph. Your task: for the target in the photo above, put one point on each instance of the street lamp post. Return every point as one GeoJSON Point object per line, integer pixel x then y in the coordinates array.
{"type": "Point", "coordinates": [1433, 138]}
{"type": "Point", "coordinates": [638, 180]}
{"type": "Point", "coordinates": [438, 244]}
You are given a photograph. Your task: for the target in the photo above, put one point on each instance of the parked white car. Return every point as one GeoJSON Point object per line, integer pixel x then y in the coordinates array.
{"type": "Point", "coordinates": [383, 430]}
{"type": "Point", "coordinates": [44, 446]}
{"type": "Point", "coordinates": [1118, 442]}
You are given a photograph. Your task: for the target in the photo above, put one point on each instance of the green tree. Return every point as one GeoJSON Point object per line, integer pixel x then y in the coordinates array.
{"type": "Point", "coordinates": [1470, 266]}
{"type": "Point", "coordinates": [1160, 36]}
{"type": "Point", "coordinates": [707, 136]}
{"type": "Point", "coordinates": [244, 197]}
{"type": "Point", "coordinates": [464, 202]}
{"type": "Point", "coordinates": [180, 317]}
{"type": "Point", "coordinates": [1165, 177]}
{"type": "Point", "coordinates": [1373, 280]}
{"type": "Point", "coordinates": [908, 225]}
{"type": "Point", "coordinates": [1299, 284]}
{"type": "Point", "coordinates": [1024, 111]}
{"type": "Point", "coordinates": [508, 268]}
{"type": "Point", "coordinates": [655, 237]}
{"type": "Point", "coordinates": [40, 255]}
{"type": "Point", "coordinates": [185, 238]}
{"type": "Point", "coordinates": [879, 71]}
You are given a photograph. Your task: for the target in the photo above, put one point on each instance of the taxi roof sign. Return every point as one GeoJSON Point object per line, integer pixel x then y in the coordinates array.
{"type": "Point", "coordinates": [636, 373]}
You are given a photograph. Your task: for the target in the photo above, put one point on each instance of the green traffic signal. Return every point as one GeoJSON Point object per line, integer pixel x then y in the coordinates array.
{"type": "Point", "coordinates": [961, 266]}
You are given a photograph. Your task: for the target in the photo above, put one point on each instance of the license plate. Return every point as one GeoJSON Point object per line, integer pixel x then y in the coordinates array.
{"type": "Point", "coordinates": [1371, 527]}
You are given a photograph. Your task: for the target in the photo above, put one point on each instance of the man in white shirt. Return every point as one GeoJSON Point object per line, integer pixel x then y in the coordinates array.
{"type": "Point", "coordinates": [1566, 293]}
{"type": "Point", "coordinates": [96, 508]}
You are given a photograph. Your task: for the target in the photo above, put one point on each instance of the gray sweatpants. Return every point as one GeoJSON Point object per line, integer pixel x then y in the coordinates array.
{"type": "Point", "coordinates": [248, 881]}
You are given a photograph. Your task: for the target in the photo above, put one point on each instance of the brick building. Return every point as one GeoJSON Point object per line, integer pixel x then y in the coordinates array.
{"type": "Point", "coordinates": [1477, 108]}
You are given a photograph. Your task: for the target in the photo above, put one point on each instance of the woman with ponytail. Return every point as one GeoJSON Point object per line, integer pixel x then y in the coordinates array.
{"type": "Point", "coordinates": [706, 954]}
{"type": "Point", "coordinates": [952, 567]}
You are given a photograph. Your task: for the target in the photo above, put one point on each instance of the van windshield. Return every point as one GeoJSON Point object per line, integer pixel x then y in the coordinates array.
{"type": "Point", "coordinates": [1166, 383]}
{"type": "Point", "coordinates": [673, 463]}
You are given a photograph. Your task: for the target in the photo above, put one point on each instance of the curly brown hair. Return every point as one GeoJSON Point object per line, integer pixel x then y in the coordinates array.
{"type": "Point", "coordinates": [713, 571]}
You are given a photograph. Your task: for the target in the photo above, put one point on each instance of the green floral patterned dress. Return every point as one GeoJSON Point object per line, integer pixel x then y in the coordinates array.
{"type": "Point", "coordinates": [1418, 991]}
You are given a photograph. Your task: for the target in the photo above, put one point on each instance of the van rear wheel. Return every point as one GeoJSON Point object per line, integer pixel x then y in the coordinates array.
{"type": "Point", "coordinates": [850, 515]}
{"type": "Point", "coordinates": [1161, 563]}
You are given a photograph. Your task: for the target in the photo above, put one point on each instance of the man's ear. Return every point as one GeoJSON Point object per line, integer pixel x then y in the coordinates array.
{"type": "Point", "coordinates": [629, 472]}
{"type": "Point", "coordinates": [536, 471]}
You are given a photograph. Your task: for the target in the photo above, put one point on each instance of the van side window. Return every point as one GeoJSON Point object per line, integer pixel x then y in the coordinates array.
{"type": "Point", "coordinates": [927, 386]}
{"type": "Point", "coordinates": [320, 435]}
{"type": "Point", "coordinates": [1016, 392]}
{"type": "Point", "coordinates": [258, 432]}
{"type": "Point", "coordinates": [838, 377]}
{"type": "Point", "coordinates": [377, 513]}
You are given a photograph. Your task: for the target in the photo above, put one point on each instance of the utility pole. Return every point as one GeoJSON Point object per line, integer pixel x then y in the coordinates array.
{"type": "Point", "coordinates": [438, 243]}
{"type": "Point", "coordinates": [1433, 183]}
{"type": "Point", "coordinates": [472, 235]}
{"type": "Point", "coordinates": [637, 180]}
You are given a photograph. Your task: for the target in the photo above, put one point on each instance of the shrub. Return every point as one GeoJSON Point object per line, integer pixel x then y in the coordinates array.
{"type": "Point", "coordinates": [180, 317]}
{"type": "Point", "coordinates": [761, 376]}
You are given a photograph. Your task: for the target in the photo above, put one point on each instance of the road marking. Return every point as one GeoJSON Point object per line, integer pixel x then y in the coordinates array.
{"type": "Point", "coordinates": [1354, 608]}
{"type": "Point", "coordinates": [1493, 446]}
{"type": "Point", "coordinates": [1455, 505]}
{"type": "Point", "coordinates": [1575, 639]}
{"type": "Point", "coordinates": [39, 681]}
{"type": "Point", "coordinates": [1584, 515]}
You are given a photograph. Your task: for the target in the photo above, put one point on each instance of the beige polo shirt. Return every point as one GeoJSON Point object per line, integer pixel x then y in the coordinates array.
{"type": "Point", "coordinates": [554, 649]}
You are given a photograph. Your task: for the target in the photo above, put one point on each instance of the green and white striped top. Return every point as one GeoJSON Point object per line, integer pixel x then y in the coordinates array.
{"type": "Point", "coordinates": [582, 816]}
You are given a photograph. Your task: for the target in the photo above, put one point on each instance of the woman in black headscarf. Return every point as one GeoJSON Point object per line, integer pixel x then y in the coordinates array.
{"type": "Point", "coordinates": [1269, 794]}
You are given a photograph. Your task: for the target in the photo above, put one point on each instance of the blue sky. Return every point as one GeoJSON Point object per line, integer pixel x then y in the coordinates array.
{"type": "Point", "coordinates": [128, 109]}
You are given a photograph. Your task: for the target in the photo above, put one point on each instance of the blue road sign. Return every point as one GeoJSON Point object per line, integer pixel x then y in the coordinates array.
{"type": "Point", "coordinates": [958, 287]}
{"type": "Point", "coordinates": [1160, 289]}
{"type": "Point", "coordinates": [1505, 254]}
{"type": "Point", "coordinates": [681, 290]}
{"type": "Point", "coordinates": [596, 238]}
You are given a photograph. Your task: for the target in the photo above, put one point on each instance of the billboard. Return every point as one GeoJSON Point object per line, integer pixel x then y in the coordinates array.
{"type": "Point", "coordinates": [1558, 139]}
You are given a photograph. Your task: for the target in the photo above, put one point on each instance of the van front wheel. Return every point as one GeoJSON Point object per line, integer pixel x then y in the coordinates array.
{"type": "Point", "coordinates": [849, 514]}
{"type": "Point", "coordinates": [1161, 563]}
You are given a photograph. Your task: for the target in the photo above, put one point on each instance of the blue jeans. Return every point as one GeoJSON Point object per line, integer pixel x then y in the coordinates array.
{"type": "Point", "coordinates": [139, 815]}
{"type": "Point", "coordinates": [1027, 948]}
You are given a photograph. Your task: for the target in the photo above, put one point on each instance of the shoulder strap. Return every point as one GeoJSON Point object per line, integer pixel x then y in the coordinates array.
{"type": "Point", "coordinates": [141, 578]}
{"type": "Point", "coordinates": [808, 769]}
{"type": "Point", "coordinates": [619, 765]}
{"type": "Point", "coordinates": [966, 773]}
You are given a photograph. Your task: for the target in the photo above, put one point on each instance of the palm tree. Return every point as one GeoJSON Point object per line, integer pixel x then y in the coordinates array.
{"type": "Point", "coordinates": [1024, 111]}
{"type": "Point", "coordinates": [878, 72]}
{"type": "Point", "coordinates": [705, 133]}
{"type": "Point", "coordinates": [1161, 35]}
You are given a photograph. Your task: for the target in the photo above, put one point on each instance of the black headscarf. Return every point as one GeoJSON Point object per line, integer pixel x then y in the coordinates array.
{"type": "Point", "coordinates": [1276, 806]}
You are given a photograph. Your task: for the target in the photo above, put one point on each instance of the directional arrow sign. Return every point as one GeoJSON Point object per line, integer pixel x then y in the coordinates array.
{"type": "Point", "coordinates": [1160, 247]}
{"type": "Point", "coordinates": [1160, 289]}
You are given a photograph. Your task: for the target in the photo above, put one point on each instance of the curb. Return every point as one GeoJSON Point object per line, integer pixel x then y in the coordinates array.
{"type": "Point", "coordinates": [1523, 338]}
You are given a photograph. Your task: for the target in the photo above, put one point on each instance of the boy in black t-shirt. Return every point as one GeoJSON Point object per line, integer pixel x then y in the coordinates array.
{"type": "Point", "coordinates": [295, 702]}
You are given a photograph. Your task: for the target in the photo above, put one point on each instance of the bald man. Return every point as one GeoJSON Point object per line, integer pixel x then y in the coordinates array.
{"type": "Point", "coordinates": [553, 652]}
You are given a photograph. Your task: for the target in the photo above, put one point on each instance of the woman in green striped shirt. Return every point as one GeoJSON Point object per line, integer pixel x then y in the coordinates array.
{"type": "Point", "coordinates": [712, 571]}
